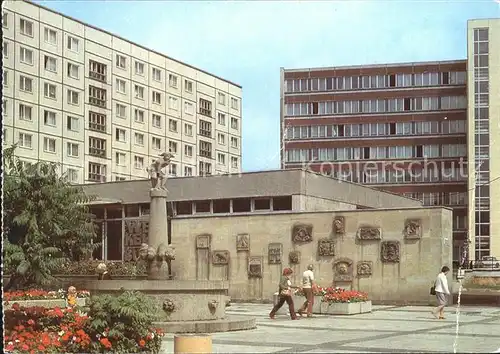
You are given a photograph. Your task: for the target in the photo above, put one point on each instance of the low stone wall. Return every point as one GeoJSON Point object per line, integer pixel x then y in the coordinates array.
{"type": "Point", "coordinates": [483, 297]}
{"type": "Point", "coordinates": [324, 308]}
{"type": "Point", "coordinates": [43, 303]}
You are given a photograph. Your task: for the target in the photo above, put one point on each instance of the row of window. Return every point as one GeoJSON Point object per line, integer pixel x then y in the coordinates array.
{"type": "Point", "coordinates": [95, 170]}
{"type": "Point", "coordinates": [98, 172]}
{"type": "Point", "coordinates": [376, 81]}
{"type": "Point", "coordinates": [97, 146]}
{"type": "Point", "coordinates": [98, 70]}
{"type": "Point", "coordinates": [98, 97]}
{"type": "Point", "coordinates": [375, 129]}
{"type": "Point", "coordinates": [97, 121]}
{"type": "Point", "coordinates": [390, 105]}
{"type": "Point", "coordinates": [26, 28]}
{"type": "Point", "coordinates": [375, 153]}
{"type": "Point", "coordinates": [402, 176]}
{"type": "Point", "coordinates": [440, 198]}
{"type": "Point", "coordinates": [172, 168]}
{"type": "Point", "coordinates": [49, 90]}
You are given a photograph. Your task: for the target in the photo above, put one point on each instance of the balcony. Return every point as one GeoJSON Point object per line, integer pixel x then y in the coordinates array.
{"type": "Point", "coordinates": [97, 127]}
{"type": "Point", "coordinates": [97, 102]}
{"type": "Point", "coordinates": [97, 152]}
{"type": "Point", "coordinates": [97, 76]}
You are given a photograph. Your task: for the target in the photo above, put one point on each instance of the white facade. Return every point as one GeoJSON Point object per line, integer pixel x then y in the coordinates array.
{"type": "Point", "coordinates": [483, 37]}
{"type": "Point", "coordinates": [104, 107]}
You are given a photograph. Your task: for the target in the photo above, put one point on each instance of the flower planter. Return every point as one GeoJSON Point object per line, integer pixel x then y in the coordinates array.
{"type": "Point", "coordinates": [337, 302]}
{"type": "Point", "coordinates": [50, 303]}
{"type": "Point", "coordinates": [345, 308]}
{"type": "Point", "coordinates": [299, 300]}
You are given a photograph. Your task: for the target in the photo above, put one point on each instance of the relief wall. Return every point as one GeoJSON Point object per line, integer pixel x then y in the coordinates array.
{"type": "Point", "coordinates": [391, 254]}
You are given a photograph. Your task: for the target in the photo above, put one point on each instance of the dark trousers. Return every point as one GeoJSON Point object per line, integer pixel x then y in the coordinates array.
{"type": "Point", "coordinates": [308, 304]}
{"type": "Point", "coordinates": [281, 301]}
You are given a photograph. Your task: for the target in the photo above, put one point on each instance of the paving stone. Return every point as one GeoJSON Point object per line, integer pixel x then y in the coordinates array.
{"type": "Point", "coordinates": [387, 329]}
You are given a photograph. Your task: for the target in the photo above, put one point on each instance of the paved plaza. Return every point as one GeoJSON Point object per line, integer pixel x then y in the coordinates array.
{"type": "Point", "coordinates": [387, 329]}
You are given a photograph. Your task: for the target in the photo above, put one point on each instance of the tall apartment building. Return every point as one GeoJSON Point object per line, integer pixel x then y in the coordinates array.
{"type": "Point", "coordinates": [483, 38]}
{"type": "Point", "coordinates": [104, 107]}
{"type": "Point", "coordinates": [398, 127]}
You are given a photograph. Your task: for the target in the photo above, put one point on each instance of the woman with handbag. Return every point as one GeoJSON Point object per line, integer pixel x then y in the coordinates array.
{"type": "Point", "coordinates": [285, 295]}
{"type": "Point", "coordinates": [441, 290]}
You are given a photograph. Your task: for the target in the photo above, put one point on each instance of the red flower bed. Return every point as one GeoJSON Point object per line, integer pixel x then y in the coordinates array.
{"type": "Point", "coordinates": [37, 294]}
{"type": "Point", "coordinates": [338, 295]}
{"type": "Point", "coordinates": [28, 329]}
{"type": "Point", "coordinates": [332, 294]}
{"type": "Point", "coordinates": [62, 330]}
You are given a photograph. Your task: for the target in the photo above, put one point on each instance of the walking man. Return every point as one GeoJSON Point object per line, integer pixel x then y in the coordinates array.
{"type": "Point", "coordinates": [307, 287]}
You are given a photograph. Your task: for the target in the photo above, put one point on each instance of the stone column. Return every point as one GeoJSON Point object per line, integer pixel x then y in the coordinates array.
{"type": "Point", "coordinates": [158, 231]}
{"type": "Point", "coordinates": [158, 235]}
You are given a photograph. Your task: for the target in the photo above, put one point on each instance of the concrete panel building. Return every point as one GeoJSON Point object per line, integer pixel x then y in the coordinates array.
{"type": "Point", "coordinates": [483, 38]}
{"type": "Point", "coordinates": [104, 107]}
{"type": "Point", "coordinates": [395, 127]}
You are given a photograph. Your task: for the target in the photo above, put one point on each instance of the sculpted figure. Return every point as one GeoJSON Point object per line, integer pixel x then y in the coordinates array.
{"type": "Point", "coordinates": [342, 268]}
{"type": "Point", "coordinates": [157, 176]}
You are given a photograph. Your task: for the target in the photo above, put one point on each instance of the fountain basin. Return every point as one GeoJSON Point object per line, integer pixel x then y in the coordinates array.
{"type": "Point", "coordinates": [177, 300]}
{"type": "Point", "coordinates": [187, 306]}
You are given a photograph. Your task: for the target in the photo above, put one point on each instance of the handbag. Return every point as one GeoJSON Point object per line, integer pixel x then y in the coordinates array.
{"type": "Point", "coordinates": [433, 290]}
{"type": "Point", "coordinates": [285, 292]}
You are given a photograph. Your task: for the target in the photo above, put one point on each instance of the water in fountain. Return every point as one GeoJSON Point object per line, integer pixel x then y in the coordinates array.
{"type": "Point", "coordinates": [457, 323]}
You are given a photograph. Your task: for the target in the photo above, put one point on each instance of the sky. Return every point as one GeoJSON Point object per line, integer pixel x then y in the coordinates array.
{"type": "Point", "coordinates": [247, 42]}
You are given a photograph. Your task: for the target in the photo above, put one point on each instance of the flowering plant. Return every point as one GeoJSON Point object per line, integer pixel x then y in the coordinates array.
{"type": "Point", "coordinates": [334, 295]}
{"type": "Point", "coordinates": [37, 294]}
{"type": "Point", "coordinates": [39, 329]}
{"type": "Point", "coordinates": [124, 323]}
{"type": "Point", "coordinates": [112, 324]}
{"type": "Point", "coordinates": [339, 295]}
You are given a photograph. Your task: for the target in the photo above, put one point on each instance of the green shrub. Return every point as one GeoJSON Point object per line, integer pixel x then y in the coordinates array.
{"type": "Point", "coordinates": [125, 322]}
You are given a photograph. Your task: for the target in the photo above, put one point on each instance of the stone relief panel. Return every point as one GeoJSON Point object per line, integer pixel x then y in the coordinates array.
{"type": "Point", "coordinates": [365, 268]}
{"type": "Point", "coordinates": [136, 234]}
{"type": "Point", "coordinates": [302, 233]}
{"type": "Point", "coordinates": [338, 226]}
{"type": "Point", "coordinates": [255, 267]}
{"type": "Point", "coordinates": [203, 241]}
{"type": "Point", "coordinates": [243, 242]}
{"type": "Point", "coordinates": [389, 252]}
{"type": "Point", "coordinates": [220, 257]}
{"type": "Point", "coordinates": [413, 229]}
{"type": "Point", "coordinates": [275, 250]}
{"type": "Point", "coordinates": [369, 233]}
{"type": "Point", "coordinates": [326, 247]}
{"type": "Point", "coordinates": [294, 257]}
{"type": "Point", "coordinates": [343, 270]}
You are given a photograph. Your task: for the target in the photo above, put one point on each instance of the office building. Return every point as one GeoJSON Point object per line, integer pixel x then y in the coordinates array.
{"type": "Point", "coordinates": [483, 140]}
{"type": "Point", "coordinates": [104, 108]}
{"type": "Point", "coordinates": [397, 127]}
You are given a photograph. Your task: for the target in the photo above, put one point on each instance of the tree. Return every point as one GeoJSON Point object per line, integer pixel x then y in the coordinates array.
{"type": "Point", "coordinates": [46, 221]}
